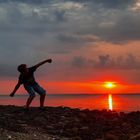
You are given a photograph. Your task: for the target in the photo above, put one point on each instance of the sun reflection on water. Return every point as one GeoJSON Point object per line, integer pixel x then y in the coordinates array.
{"type": "Point", "coordinates": [110, 102]}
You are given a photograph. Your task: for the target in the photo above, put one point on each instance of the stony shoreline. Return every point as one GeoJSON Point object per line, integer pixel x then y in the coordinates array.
{"type": "Point", "coordinates": [64, 123]}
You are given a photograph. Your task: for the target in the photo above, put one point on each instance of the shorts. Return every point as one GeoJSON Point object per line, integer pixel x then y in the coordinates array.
{"type": "Point", "coordinates": [31, 89]}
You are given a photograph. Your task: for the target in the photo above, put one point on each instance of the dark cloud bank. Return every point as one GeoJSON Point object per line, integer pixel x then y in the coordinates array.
{"type": "Point", "coordinates": [128, 62]}
{"type": "Point", "coordinates": [63, 26]}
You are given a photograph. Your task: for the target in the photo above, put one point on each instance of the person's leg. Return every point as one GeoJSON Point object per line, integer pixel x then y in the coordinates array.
{"type": "Point", "coordinates": [42, 99]}
{"type": "Point", "coordinates": [31, 92]}
{"type": "Point", "coordinates": [42, 94]}
{"type": "Point", "coordinates": [29, 100]}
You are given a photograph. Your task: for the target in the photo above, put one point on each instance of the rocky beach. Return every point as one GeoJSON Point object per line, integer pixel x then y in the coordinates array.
{"type": "Point", "coordinates": [64, 123]}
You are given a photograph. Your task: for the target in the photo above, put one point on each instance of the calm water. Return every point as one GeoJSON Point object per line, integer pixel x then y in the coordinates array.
{"type": "Point", "coordinates": [117, 102]}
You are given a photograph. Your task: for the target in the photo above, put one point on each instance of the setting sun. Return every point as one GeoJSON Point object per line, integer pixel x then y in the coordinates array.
{"type": "Point", "coordinates": [109, 85]}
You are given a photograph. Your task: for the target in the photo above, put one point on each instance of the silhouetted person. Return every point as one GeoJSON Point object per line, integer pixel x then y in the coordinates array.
{"type": "Point", "coordinates": [26, 78]}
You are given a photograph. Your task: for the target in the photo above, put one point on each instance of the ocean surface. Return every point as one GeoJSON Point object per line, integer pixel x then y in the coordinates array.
{"type": "Point", "coordinates": [123, 102]}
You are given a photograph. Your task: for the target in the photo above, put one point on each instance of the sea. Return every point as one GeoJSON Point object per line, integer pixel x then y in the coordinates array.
{"type": "Point", "coordinates": [116, 102]}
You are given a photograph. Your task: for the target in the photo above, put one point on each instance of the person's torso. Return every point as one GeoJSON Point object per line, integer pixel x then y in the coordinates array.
{"type": "Point", "coordinates": [27, 78]}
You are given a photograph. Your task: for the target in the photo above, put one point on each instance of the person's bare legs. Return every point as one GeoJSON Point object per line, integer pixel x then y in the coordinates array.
{"type": "Point", "coordinates": [29, 100]}
{"type": "Point", "coordinates": [42, 99]}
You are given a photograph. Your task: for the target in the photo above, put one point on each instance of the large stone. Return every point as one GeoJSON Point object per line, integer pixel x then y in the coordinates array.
{"type": "Point", "coordinates": [135, 137]}
{"type": "Point", "coordinates": [111, 137]}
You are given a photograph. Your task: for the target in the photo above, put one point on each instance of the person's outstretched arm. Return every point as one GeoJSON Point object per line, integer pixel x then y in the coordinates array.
{"type": "Point", "coordinates": [43, 62]}
{"type": "Point", "coordinates": [15, 89]}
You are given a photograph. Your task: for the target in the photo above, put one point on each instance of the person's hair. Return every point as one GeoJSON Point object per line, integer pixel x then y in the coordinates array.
{"type": "Point", "coordinates": [21, 67]}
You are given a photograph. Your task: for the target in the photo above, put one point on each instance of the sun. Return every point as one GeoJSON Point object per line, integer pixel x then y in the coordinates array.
{"type": "Point", "coordinates": [109, 85]}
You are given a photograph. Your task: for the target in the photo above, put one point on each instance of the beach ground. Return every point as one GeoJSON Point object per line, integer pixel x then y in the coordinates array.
{"type": "Point", "coordinates": [64, 123]}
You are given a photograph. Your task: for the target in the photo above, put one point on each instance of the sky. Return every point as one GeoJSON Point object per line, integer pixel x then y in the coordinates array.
{"type": "Point", "coordinates": [90, 41]}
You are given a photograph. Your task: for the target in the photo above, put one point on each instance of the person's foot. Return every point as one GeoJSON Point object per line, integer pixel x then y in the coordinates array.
{"type": "Point", "coordinates": [26, 109]}
{"type": "Point", "coordinates": [42, 108]}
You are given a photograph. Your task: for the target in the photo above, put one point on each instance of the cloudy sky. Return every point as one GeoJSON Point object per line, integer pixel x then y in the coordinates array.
{"type": "Point", "coordinates": [90, 41]}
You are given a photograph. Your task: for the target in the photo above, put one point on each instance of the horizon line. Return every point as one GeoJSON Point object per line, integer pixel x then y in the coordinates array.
{"type": "Point", "coordinates": [77, 94]}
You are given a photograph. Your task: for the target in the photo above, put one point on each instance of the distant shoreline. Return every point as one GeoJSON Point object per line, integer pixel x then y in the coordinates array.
{"type": "Point", "coordinates": [76, 94]}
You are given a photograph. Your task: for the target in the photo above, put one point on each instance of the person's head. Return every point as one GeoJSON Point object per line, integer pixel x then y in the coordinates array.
{"type": "Point", "coordinates": [22, 68]}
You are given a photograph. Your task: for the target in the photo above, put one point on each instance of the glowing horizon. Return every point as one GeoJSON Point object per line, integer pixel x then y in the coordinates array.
{"type": "Point", "coordinates": [93, 87]}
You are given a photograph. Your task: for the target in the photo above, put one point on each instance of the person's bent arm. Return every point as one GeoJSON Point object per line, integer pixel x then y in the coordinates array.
{"type": "Point", "coordinates": [15, 89]}
{"type": "Point", "coordinates": [43, 62]}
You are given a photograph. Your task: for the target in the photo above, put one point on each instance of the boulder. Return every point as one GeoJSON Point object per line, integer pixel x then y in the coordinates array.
{"type": "Point", "coordinates": [135, 137]}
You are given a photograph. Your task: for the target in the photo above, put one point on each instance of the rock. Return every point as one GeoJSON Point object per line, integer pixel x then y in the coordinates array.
{"type": "Point", "coordinates": [135, 137]}
{"type": "Point", "coordinates": [35, 135]}
{"type": "Point", "coordinates": [64, 123]}
{"type": "Point", "coordinates": [76, 119]}
{"type": "Point", "coordinates": [82, 115]}
{"type": "Point", "coordinates": [74, 131]}
{"type": "Point", "coordinates": [85, 129]}
{"type": "Point", "coordinates": [23, 125]}
{"type": "Point", "coordinates": [39, 120]}
{"type": "Point", "coordinates": [50, 127]}
{"type": "Point", "coordinates": [63, 117]}
{"type": "Point", "coordinates": [76, 138]}
{"type": "Point", "coordinates": [61, 124]}
{"type": "Point", "coordinates": [126, 125]}
{"type": "Point", "coordinates": [111, 137]}
{"type": "Point", "coordinates": [9, 137]}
